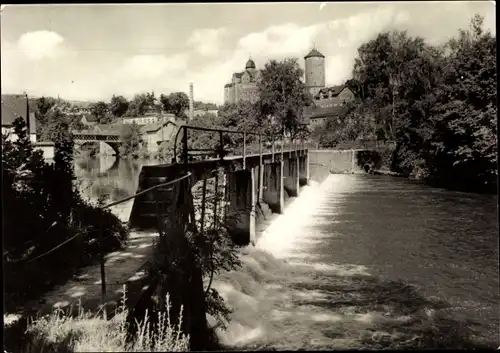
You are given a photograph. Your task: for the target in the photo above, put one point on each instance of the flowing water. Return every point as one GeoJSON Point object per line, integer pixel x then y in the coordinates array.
{"type": "Point", "coordinates": [369, 262]}
{"type": "Point", "coordinates": [358, 262]}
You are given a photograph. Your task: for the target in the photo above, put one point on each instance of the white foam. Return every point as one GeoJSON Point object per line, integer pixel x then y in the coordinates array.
{"type": "Point", "coordinates": [294, 229]}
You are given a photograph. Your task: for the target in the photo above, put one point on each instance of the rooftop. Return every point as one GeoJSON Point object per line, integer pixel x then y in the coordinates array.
{"type": "Point", "coordinates": [250, 64]}
{"type": "Point", "coordinates": [155, 126]}
{"type": "Point", "coordinates": [314, 54]}
{"type": "Point", "coordinates": [313, 113]}
{"type": "Point", "coordinates": [334, 90]}
{"type": "Point", "coordinates": [13, 106]}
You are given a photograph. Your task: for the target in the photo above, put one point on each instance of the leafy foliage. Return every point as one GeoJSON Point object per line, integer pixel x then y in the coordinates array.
{"type": "Point", "coordinates": [175, 103]}
{"type": "Point", "coordinates": [141, 104]}
{"type": "Point", "coordinates": [52, 211]}
{"type": "Point", "coordinates": [131, 137]}
{"type": "Point", "coordinates": [100, 110]}
{"type": "Point", "coordinates": [438, 103]}
{"type": "Point", "coordinates": [50, 114]}
{"type": "Point", "coordinates": [282, 95]}
{"type": "Point", "coordinates": [118, 105]}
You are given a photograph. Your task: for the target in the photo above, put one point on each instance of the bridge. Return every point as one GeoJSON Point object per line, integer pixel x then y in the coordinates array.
{"type": "Point", "coordinates": [111, 138]}
{"type": "Point", "coordinates": [251, 185]}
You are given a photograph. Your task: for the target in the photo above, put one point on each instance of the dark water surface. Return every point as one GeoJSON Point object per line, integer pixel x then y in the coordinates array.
{"type": "Point", "coordinates": [358, 262]}
{"type": "Point", "coordinates": [370, 262]}
{"type": "Point", "coordinates": [109, 179]}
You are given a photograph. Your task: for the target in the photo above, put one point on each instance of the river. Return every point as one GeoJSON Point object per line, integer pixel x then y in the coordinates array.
{"type": "Point", "coordinates": [361, 262]}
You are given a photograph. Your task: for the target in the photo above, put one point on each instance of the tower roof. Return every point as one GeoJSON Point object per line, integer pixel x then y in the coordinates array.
{"type": "Point", "coordinates": [250, 64]}
{"type": "Point", "coordinates": [314, 53]}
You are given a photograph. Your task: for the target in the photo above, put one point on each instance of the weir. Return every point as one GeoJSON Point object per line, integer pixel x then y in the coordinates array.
{"type": "Point", "coordinates": [252, 184]}
{"type": "Point", "coordinates": [237, 192]}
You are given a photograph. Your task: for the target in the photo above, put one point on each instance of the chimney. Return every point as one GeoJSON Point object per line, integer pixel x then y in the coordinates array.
{"type": "Point", "coordinates": [191, 101]}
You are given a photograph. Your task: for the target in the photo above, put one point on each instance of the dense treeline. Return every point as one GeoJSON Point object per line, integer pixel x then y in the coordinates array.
{"type": "Point", "coordinates": [44, 209]}
{"type": "Point", "coordinates": [438, 103]}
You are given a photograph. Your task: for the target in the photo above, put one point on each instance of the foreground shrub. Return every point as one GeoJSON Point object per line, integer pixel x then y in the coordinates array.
{"type": "Point", "coordinates": [59, 332]}
{"type": "Point", "coordinates": [48, 230]}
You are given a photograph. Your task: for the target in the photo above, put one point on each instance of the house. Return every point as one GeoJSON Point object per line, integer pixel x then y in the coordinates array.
{"type": "Point", "coordinates": [14, 106]}
{"type": "Point", "coordinates": [330, 97]}
{"type": "Point", "coordinates": [201, 112]}
{"type": "Point", "coordinates": [154, 134]}
{"type": "Point", "coordinates": [148, 118]}
{"type": "Point", "coordinates": [243, 85]}
{"type": "Point", "coordinates": [314, 116]}
{"type": "Point", "coordinates": [89, 119]}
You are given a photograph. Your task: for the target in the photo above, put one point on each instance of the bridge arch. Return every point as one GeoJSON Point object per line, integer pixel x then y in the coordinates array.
{"type": "Point", "coordinates": [115, 146]}
{"type": "Point", "coordinates": [112, 139]}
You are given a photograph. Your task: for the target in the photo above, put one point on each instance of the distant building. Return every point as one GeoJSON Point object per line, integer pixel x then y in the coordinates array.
{"type": "Point", "coordinates": [243, 86]}
{"type": "Point", "coordinates": [150, 118]}
{"type": "Point", "coordinates": [328, 101]}
{"type": "Point", "coordinates": [89, 119]}
{"type": "Point", "coordinates": [154, 134]}
{"type": "Point", "coordinates": [335, 96]}
{"type": "Point", "coordinates": [314, 116]}
{"type": "Point", "coordinates": [201, 112]}
{"type": "Point", "coordinates": [15, 106]}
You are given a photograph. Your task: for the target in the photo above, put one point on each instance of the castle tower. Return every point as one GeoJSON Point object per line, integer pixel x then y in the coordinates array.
{"type": "Point", "coordinates": [315, 71]}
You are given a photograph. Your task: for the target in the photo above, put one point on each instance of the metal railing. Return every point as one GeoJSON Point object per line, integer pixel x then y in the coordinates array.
{"type": "Point", "coordinates": [221, 152]}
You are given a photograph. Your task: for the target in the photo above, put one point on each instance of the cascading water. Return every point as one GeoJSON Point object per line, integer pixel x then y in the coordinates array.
{"type": "Point", "coordinates": [283, 297]}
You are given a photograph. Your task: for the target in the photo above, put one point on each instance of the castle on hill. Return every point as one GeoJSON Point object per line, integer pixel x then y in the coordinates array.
{"type": "Point", "coordinates": [243, 85]}
{"type": "Point", "coordinates": [327, 100]}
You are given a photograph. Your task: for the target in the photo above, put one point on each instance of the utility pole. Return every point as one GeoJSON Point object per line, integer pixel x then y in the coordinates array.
{"type": "Point", "coordinates": [28, 127]}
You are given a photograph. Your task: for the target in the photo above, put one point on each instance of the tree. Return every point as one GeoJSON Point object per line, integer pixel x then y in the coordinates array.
{"type": "Point", "coordinates": [175, 103]}
{"type": "Point", "coordinates": [131, 137]}
{"type": "Point", "coordinates": [42, 106]}
{"type": "Point", "coordinates": [464, 142]}
{"type": "Point", "coordinates": [118, 105]}
{"type": "Point", "coordinates": [437, 102]}
{"type": "Point", "coordinates": [282, 95]}
{"type": "Point", "coordinates": [100, 110]}
{"type": "Point", "coordinates": [139, 105]}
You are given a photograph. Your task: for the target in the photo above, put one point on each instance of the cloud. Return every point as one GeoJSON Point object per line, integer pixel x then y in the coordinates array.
{"type": "Point", "coordinates": [207, 41]}
{"type": "Point", "coordinates": [153, 66]}
{"type": "Point", "coordinates": [40, 44]}
{"type": "Point", "coordinates": [210, 56]}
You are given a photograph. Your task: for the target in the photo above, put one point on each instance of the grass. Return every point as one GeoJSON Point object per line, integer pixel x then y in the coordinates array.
{"type": "Point", "coordinates": [60, 332]}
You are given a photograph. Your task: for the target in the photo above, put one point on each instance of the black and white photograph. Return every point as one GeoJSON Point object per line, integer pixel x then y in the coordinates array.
{"type": "Point", "coordinates": [249, 176]}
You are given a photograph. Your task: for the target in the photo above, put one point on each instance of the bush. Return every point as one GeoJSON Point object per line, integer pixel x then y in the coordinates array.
{"type": "Point", "coordinates": [46, 210]}
{"type": "Point", "coordinates": [60, 332]}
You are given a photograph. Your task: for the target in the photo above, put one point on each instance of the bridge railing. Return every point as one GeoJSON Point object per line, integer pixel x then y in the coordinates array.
{"type": "Point", "coordinates": [218, 144]}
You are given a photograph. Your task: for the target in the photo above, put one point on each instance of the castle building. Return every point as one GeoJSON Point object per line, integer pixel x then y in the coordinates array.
{"type": "Point", "coordinates": [328, 101]}
{"type": "Point", "coordinates": [243, 86]}
{"type": "Point", "coordinates": [314, 71]}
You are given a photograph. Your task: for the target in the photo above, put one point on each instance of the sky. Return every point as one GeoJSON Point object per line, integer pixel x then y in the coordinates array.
{"type": "Point", "coordinates": [90, 52]}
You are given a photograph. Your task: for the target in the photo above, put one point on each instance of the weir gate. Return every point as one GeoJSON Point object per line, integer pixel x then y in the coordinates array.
{"type": "Point", "coordinates": [239, 189]}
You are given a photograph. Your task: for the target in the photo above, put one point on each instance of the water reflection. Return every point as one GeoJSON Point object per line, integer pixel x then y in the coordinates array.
{"type": "Point", "coordinates": [110, 179]}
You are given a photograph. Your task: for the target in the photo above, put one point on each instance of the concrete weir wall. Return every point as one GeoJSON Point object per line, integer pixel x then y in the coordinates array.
{"type": "Point", "coordinates": [324, 162]}
{"type": "Point", "coordinates": [253, 185]}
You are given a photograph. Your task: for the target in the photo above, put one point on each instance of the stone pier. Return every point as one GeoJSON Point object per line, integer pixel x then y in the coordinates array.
{"type": "Point", "coordinates": [241, 200]}
{"type": "Point", "coordinates": [273, 186]}
{"type": "Point", "coordinates": [291, 176]}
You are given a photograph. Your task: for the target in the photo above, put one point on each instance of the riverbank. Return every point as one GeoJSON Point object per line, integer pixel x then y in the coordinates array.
{"type": "Point", "coordinates": [123, 267]}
